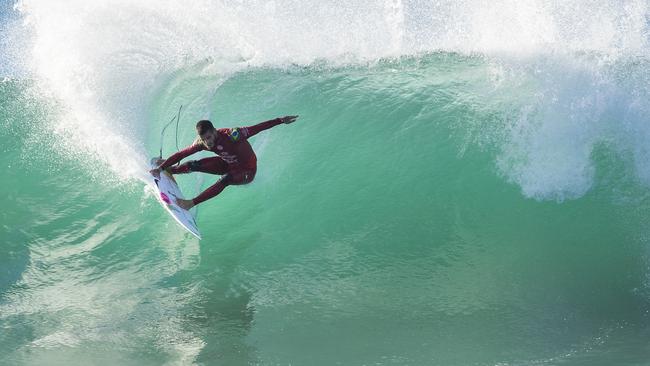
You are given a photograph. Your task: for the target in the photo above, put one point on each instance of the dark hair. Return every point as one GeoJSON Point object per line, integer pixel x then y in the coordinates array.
{"type": "Point", "coordinates": [204, 126]}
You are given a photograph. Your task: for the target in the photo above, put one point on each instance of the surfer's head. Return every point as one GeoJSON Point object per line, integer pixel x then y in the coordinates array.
{"type": "Point", "coordinates": [206, 132]}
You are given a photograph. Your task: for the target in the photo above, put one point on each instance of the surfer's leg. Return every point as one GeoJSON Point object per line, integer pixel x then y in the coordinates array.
{"type": "Point", "coordinates": [212, 191]}
{"type": "Point", "coordinates": [213, 165]}
{"type": "Point", "coordinates": [233, 177]}
{"type": "Point", "coordinates": [240, 177]}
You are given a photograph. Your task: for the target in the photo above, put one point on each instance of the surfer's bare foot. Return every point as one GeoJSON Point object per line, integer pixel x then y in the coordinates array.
{"type": "Point", "coordinates": [184, 204]}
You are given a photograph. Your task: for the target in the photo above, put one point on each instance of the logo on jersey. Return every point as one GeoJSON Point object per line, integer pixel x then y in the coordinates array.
{"type": "Point", "coordinates": [234, 135]}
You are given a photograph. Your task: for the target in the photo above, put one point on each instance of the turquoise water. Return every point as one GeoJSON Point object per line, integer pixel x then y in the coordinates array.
{"type": "Point", "coordinates": [458, 190]}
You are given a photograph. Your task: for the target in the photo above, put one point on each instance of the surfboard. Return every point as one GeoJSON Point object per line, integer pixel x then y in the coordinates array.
{"type": "Point", "coordinates": [167, 192]}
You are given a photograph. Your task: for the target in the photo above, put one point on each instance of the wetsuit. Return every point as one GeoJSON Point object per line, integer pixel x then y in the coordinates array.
{"type": "Point", "coordinates": [236, 160]}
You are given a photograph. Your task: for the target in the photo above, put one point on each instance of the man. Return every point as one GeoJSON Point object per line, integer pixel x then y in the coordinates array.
{"type": "Point", "coordinates": [236, 160]}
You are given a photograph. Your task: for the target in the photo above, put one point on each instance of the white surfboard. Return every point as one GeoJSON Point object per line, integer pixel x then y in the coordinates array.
{"type": "Point", "coordinates": [167, 192]}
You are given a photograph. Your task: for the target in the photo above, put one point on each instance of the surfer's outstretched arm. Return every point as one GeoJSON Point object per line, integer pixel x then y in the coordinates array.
{"type": "Point", "coordinates": [251, 131]}
{"type": "Point", "coordinates": [177, 156]}
{"type": "Point", "coordinates": [182, 154]}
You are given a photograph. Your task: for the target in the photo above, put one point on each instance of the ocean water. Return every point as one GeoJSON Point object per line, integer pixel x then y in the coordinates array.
{"type": "Point", "coordinates": [468, 183]}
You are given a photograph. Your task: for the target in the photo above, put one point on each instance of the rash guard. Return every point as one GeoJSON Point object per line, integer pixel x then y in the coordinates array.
{"type": "Point", "coordinates": [231, 145]}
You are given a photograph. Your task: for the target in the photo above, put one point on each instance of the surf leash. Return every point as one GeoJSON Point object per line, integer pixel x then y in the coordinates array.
{"type": "Point", "coordinates": [178, 120]}
{"type": "Point", "coordinates": [162, 133]}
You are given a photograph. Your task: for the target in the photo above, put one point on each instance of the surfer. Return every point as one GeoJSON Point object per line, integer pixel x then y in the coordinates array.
{"type": "Point", "coordinates": [236, 161]}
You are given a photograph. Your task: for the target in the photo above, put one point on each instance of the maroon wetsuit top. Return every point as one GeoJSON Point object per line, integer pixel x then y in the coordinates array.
{"type": "Point", "coordinates": [232, 146]}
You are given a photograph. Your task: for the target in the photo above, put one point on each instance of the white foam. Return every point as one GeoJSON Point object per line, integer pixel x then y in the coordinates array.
{"type": "Point", "coordinates": [573, 106]}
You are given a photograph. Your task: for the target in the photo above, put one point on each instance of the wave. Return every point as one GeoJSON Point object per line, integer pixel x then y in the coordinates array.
{"type": "Point", "coordinates": [114, 70]}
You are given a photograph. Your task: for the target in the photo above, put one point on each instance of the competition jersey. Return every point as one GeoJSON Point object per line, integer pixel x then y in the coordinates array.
{"type": "Point", "coordinates": [231, 145]}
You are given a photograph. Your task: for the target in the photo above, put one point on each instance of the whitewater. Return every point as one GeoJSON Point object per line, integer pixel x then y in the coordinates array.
{"type": "Point", "coordinates": [468, 183]}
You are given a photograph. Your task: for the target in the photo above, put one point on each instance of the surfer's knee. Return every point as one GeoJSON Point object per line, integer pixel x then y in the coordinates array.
{"type": "Point", "coordinates": [249, 177]}
{"type": "Point", "coordinates": [240, 177]}
{"type": "Point", "coordinates": [226, 179]}
{"type": "Point", "coordinates": [194, 165]}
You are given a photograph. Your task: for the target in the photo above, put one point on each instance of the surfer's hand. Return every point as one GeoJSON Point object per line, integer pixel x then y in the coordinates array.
{"type": "Point", "coordinates": [155, 172]}
{"type": "Point", "coordinates": [184, 204]}
{"type": "Point", "coordinates": [288, 119]}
